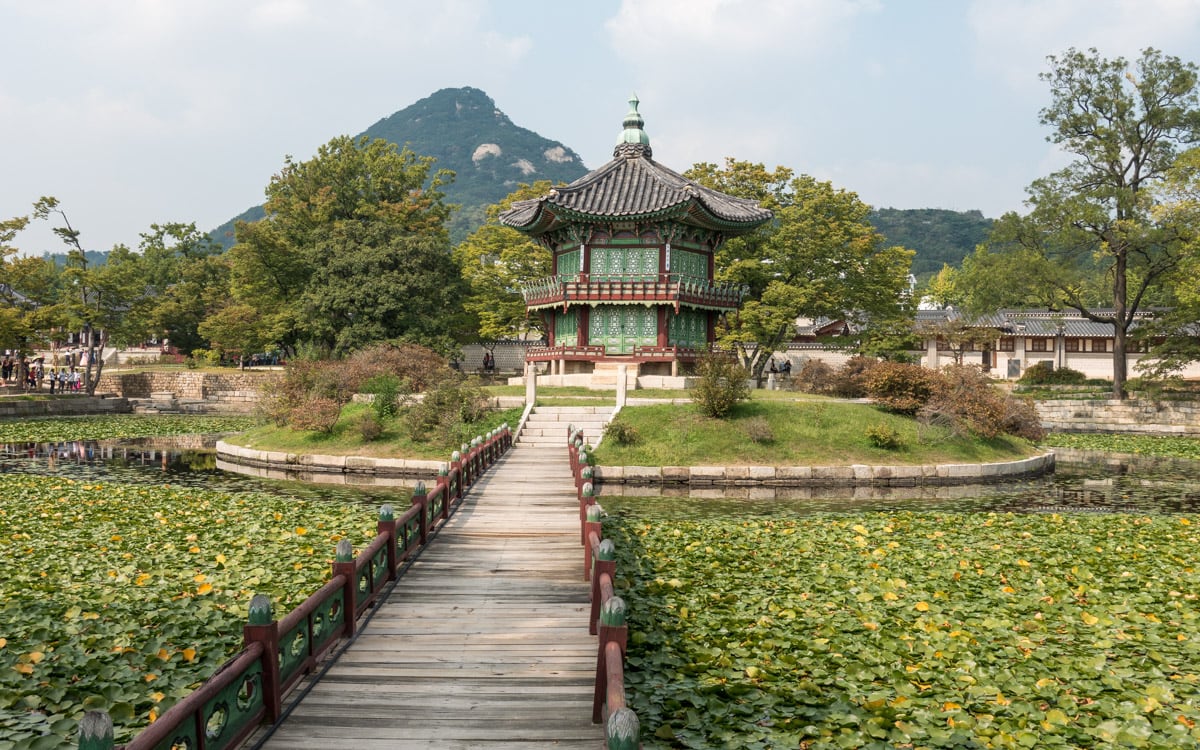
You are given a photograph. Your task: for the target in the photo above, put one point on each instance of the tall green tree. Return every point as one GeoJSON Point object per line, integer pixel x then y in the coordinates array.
{"type": "Point", "coordinates": [495, 262]}
{"type": "Point", "coordinates": [93, 300]}
{"type": "Point", "coordinates": [1095, 238]}
{"type": "Point", "coordinates": [820, 257]}
{"type": "Point", "coordinates": [310, 208]}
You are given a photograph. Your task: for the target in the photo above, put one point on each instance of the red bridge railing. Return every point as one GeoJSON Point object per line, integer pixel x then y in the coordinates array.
{"type": "Point", "coordinates": [606, 618]}
{"type": "Point", "coordinates": [248, 690]}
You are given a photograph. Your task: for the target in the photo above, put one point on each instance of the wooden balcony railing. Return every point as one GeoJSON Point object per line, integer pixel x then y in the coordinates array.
{"type": "Point", "coordinates": [663, 288]}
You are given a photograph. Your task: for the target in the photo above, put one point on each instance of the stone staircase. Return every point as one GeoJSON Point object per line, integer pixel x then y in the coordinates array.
{"type": "Point", "coordinates": [605, 374]}
{"type": "Point", "coordinates": [547, 425]}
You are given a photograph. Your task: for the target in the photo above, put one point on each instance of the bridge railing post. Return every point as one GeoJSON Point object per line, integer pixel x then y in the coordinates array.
{"type": "Point", "coordinates": [421, 499]}
{"type": "Point", "coordinates": [96, 731]}
{"type": "Point", "coordinates": [605, 562]}
{"type": "Point", "coordinates": [262, 627]}
{"type": "Point", "coordinates": [343, 565]}
{"type": "Point", "coordinates": [612, 630]}
{"type": "Point", "coordinates": [387, 525]}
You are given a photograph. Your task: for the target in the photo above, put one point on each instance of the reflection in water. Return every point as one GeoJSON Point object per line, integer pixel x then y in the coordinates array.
{"type": "Point", "coordinates": [188, 461]}
{"type": "Point", "coordinates": [1085, 484]}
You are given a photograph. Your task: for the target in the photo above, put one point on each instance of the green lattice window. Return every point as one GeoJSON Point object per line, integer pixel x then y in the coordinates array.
{"type": "Point", "coordinates": [619, 328]}
{"type": "Point", "coordinates": [688, 264]}
{"type": "Point", "coordinates": [689, 328]}
{"type": "Point", "coordinates": [566, 328]}
{"type": "Point", "coordinates": [624, 263]}
{"type": "Point", "coordinates": [569, 263]}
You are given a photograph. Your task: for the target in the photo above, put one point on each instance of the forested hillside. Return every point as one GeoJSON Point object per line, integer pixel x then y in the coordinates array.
{"type": "Point", "coordinates": [467, 134]}
{"type": "Point", "coordinates": [937, 235]}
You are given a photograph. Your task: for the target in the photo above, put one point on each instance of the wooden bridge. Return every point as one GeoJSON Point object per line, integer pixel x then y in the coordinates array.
{"type": "Point", "coordinates": [483, 642]}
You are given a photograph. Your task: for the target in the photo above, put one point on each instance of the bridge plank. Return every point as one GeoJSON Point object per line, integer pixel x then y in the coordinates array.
{"type": "Point", "coordinates": [483, 644]}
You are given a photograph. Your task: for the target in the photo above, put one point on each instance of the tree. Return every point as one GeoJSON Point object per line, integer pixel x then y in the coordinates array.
{"type": "Point", "coordinates": [310, 206]}
{"type": "Point", "coordinates": [495, 262]}
{"type": "Point", "coordinates": [819, 258]}
{"type": "Point", "coordinates": [1174, 337]}
{"type": "Point", "coordinates": [1095, 237]}
{"type": "Point", "coordinates": [375, 281]}
{"type": "Point", "coordinates": [27, 286]}
{"type": "Point", "coordinates": [92, 300]}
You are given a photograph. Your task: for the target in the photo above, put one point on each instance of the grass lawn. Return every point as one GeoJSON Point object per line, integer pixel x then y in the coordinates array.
{"type": "Point", "coordinates": [809, 433]}
{"type": "Point", "coordinates": [346, 439]}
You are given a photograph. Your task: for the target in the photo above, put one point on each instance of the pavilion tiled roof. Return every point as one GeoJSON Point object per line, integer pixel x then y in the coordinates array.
{"type": "Point", "coordinates": [634, 186]}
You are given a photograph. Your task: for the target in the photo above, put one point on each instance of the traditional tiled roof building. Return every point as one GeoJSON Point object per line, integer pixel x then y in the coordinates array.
{"type": "Point", "coordinates": [633, 245]}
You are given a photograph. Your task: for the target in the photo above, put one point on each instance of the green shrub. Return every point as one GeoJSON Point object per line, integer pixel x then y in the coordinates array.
{"type": "Point", "coordinates": [899, 387]}
{"type": "Point", "coordinates": [622, 433]}
{"type": "Point", "coordinates": [442, 416]}
{"type": "Point", "coordinates": [1044, 373]}
{"type": "Point", "coordinates": [722, 384]}
{"type": "Point", "coordinates": [884, 436]}
{"type": "Point", "coordinates": [385, 390]}
{"type": "Point", "coordinates": [758, 429]}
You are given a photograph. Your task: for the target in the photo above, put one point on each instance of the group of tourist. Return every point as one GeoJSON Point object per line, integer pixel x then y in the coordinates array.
{"type": "Point", "coordinates": [32, 375]}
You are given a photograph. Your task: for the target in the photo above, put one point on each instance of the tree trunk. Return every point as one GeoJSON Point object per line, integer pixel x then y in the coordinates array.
{"type": "Point", "coordinates": [90, 382]}
{"type": "Point", "coordinates": [1120, 326]}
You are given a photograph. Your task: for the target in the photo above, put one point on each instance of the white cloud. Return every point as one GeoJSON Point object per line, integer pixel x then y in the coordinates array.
{"type": "Point", "coordinates": [1014, 37]}
{"type": "Point", "coordinates": [717, 30]}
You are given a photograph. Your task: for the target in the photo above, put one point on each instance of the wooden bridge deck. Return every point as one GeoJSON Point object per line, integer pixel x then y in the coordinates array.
{"type": "Point", "coordinates": [483, 643]}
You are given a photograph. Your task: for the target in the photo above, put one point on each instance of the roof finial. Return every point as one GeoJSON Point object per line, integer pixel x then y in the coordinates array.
{"type": "Point", "coordinates": [633, 141]}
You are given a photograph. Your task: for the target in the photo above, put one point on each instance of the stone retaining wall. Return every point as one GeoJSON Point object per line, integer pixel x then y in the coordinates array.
{"type": "Point", "coordinates": [353, 467]}
{"type": "Point", "coordinates": [232, 388]}
{"type": "Point", "coordinates": [68, 406]}
{"type": "Point", "coordinates": [1132, 415]}
{"type": "Point", "coordinates": [825, 476]}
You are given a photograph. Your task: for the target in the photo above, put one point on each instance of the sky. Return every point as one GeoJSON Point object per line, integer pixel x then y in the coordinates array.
{"type": "Point", "coordinates": [141, 112]}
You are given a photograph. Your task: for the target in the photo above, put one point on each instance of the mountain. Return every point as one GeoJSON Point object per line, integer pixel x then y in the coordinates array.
{"type": "Point", "coordinates": [937, 235]}
{"type": "Point", "coordinates": [489, 154]}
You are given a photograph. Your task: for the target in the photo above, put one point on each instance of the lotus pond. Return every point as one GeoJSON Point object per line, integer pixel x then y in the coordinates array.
{"type": "Point", "coordinates": [949, 621]}
{"type": "Point", "coordinates": [937, 618]}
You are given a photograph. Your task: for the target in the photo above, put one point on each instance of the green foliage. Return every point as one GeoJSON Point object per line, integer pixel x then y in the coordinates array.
{"type": "Point", "coordinates": [117, 426]}
{"type": "Point", "coordinates": [884, 436]}
{"type": "Point", "coordinates": [721, 384]}
{"type": "Point", "coordinates": [820, 257]}
{"type": "Point", "coordinates": [123, 598]}
{"type": "Point", "coordinates": [1099, 234]}
{"type": "Point", "coordinates": [1045, 373]}
{"type": "Point", "coordinates": [1142, 445]}
{"type": "Point", "coordinates": [386, 392]}
{"type": "Point", "coordinates": [445, 414]}
{"type": "Point", "coordinates": [353, 249]}
{"type": "Point", "coordinates": [621, 432]}
{"type": "Point", "coordinates": [496, 261]}
{"type": "Point", "coordinates": [938, 236]}
{"type": "Point", "coordinates": [906, 629]}
{"type": "Point", "coordinates": [810, 432]}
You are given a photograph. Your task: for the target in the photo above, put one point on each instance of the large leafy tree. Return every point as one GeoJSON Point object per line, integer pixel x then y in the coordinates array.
{"type": "Point", "coordinates": [1176, 333]}
{"type": "Point", "coordinates": [1095, 239]}
{"type": "Point", "coordinates": [496, 261]}
{"type": "Point", "coordinates": [820, 257]}
{"type": "Point", "coordinates": [316, 211]}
